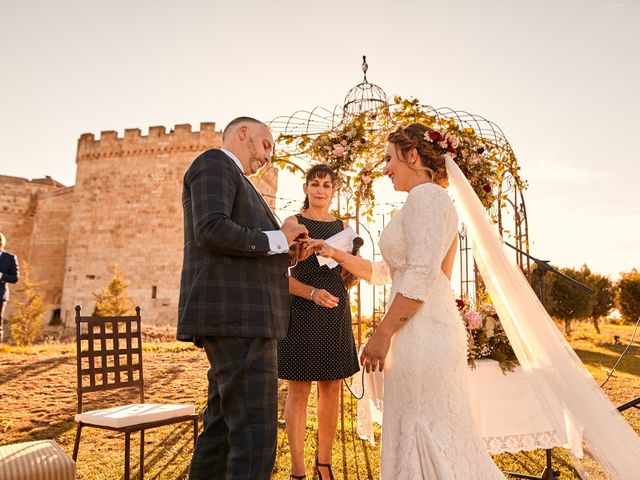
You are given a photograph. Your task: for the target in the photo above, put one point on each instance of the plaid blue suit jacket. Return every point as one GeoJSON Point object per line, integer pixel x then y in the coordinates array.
{"type": "Point", "coordinates": [229, 285]}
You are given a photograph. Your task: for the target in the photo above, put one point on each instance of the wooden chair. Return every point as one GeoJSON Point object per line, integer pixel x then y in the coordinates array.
{"type": "Point", "coordinates": [109, 356]}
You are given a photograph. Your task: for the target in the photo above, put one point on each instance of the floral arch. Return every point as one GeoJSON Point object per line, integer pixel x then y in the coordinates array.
{"type": "Point", "coordinates": [352, 140]}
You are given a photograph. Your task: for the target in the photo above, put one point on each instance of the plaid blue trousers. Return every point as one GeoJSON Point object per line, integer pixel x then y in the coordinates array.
{"type": "Point", "coordinates": [241, 419]}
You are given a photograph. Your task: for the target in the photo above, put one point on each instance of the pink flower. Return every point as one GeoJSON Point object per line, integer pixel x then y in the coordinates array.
{"type": "Point", "coordinates": [366, 179]}
{"type": "Point", "coordinates": [343, 143]}
{"type": "Point", "coordinates": [444, 144]}
{"type": "Point", "coordinates": [474, 320]}
{"type": "Point", "coordinates": [338, 150]}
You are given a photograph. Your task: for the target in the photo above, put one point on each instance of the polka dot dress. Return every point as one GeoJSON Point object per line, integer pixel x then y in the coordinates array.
{"type": "Point", "coordinates": [320, 344]}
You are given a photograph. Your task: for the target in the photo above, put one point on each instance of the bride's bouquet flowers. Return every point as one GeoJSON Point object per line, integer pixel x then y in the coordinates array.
{"type": "Point", "coordinates": [485, 335]}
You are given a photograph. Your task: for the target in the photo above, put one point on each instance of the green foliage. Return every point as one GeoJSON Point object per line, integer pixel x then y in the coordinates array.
{"type": "Point", "coordinates": [30, 308]}
{"type": "Point", "coordinates": [629, 295]}
{"type": "Point", "coordinates": [604, 294]}
{"type": "Point", "coordinates": [113, 301]}
{"type": "Point", "coordinates": [563, 300]}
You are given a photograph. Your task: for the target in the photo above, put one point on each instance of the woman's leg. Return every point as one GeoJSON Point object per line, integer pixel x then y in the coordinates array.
{"type": "Point", "coordinates": [328, 405]}
{"type": "Point", "coordinates": [295, 417]}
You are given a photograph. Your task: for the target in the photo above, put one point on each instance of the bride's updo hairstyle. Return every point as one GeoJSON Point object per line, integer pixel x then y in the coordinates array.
{"type": "Point", "coordinates": [431, 156]}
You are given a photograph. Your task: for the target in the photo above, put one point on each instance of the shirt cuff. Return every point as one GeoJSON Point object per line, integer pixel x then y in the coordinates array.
{"type": "Point", "coordinates": [0, 275]}
{"type": "Point", "coordinates": [277, 242]}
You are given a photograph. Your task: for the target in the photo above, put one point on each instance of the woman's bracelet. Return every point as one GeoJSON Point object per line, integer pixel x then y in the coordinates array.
{"type": "Point", "coordinates": [313, 291]}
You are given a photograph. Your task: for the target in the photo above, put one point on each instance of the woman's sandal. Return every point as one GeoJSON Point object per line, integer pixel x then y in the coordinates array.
{"type": "Point", "coordinates": [326, 465]}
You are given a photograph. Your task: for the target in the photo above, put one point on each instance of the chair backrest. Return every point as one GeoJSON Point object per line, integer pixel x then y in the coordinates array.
{"type": "Point", "coordinates": [108, 354]}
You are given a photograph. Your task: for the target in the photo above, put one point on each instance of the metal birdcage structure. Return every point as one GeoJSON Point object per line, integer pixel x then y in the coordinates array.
{"type": "Point", "coordinates": [508, 211]}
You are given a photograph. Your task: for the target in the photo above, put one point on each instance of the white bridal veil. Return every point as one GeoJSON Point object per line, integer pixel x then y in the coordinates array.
{"type": "Point", "coordinates": [558, 376]}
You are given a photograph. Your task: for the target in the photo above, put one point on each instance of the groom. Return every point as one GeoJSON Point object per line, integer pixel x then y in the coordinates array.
{"type": "Point", "coordinates": [234, 301]}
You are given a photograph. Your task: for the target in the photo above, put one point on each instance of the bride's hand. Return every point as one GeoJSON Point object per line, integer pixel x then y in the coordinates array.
{"type": "Point", "coordinates": [375, 351]}
{"type": "Point", "coordinates": [321, 248]}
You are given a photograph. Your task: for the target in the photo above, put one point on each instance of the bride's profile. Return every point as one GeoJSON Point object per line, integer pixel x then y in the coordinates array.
{"type": "Point", "coordinates": [428, 430]}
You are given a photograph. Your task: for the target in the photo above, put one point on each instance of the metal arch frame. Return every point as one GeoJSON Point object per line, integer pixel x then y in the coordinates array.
{"type": "Point", "coordinates": [321, 120]}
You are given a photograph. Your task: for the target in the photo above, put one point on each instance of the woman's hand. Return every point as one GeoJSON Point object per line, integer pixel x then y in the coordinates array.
{"type": "Point", "coordinates": [323, 298]}
{"type": "Point", "coordinates": [321, 248]}
{"type": "Point", "coordinates": [375, 351]}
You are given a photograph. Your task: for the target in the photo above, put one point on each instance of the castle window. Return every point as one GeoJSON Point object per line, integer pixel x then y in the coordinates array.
{"type": "Point", "coordinates": [154, 292]}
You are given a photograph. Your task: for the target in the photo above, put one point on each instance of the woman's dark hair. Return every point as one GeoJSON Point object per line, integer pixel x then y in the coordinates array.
{"type": "Point", "coordinates": [321, 170]}
{"type": "Point", "coordinates": [431, 156]}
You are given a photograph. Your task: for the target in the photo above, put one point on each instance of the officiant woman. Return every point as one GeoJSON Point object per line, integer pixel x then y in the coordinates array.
{"type": "Point", "coordinates": [319, 346]}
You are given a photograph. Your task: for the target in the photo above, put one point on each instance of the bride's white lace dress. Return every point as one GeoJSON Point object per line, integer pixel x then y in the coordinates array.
{"type": "Point", "coordinates": [428, 430]}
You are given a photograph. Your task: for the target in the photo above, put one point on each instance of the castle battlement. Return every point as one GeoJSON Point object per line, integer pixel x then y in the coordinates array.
{"type": "Point", "coordinates": [180, 139]}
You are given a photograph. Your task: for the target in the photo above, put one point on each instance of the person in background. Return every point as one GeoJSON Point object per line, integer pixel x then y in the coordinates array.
{"type": "Point", "coordinates": [319, 346]}
{"type": "Point", "coordinates": [9, 273]}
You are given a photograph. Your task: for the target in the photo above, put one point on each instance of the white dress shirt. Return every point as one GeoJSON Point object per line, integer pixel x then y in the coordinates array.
{"type": "Point", "coordinates": [277, 239]}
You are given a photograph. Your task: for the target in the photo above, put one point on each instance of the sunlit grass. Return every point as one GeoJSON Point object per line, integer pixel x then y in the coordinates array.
{"type": "Point", "coordinates": [37, 386]}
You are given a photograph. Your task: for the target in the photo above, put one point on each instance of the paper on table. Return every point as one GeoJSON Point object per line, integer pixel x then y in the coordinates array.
{"type": "Point", "coordinates": [342, 241]}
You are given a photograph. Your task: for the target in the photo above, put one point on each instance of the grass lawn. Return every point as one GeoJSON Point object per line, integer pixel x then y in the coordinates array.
{"type": "Point", "coordinates": [38, 401]}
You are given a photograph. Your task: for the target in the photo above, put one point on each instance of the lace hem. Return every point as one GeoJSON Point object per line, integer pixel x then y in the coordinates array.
{"type": "Point", "coordinates": [524, 442]}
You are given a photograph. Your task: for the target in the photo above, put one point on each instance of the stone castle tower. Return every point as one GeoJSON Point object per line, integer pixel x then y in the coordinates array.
{"type": "Point", "coordinates": [125, 209]}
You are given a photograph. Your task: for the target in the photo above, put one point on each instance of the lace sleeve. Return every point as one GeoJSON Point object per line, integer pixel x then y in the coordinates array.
{"type": "Point", "coordinates": [429, 223]}
{"type": "Point", "coordinates": [380, 274]}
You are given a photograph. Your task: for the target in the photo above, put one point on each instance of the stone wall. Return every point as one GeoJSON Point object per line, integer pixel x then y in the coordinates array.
{"type": "Point", "coordinates": [128, 212]}
{"type": "Point", "coordinates": [49, 244]}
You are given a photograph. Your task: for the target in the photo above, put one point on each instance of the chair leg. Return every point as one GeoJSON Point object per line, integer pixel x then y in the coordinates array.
{"type": "Point", "coordinates": [127, 448]}
{"type": "Point", "coordinates": [195, 432]}
{"type": "Point", "coordinates": [76, 445]}
{"type": "Point", "coordinates": [141, 454]}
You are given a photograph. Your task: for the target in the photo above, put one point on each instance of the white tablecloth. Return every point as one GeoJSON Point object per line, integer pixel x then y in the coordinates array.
{"type": "Point", "coordinates": [508, 413]}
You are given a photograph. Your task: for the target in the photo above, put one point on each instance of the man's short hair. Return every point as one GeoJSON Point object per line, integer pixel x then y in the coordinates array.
{"type": "Point", "coordinates": [237, 121]}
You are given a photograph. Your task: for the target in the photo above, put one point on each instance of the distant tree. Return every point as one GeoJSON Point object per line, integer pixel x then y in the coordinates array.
{"type": "Point", "coordinates": [29, 308]}
{"type": "Point", "coordinates": [566, 302]}
{"type": "Point", "coordinates": [604, 295]}
{"type": "Point", "coordinates": [113, 301]}
{"type": "Point", "coordinates": [629, 296]}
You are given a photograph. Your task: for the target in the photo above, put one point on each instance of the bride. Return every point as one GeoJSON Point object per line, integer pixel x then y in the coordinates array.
{"type": "Point", "coordinates": [421, 343]}
{"type": "Point", "coordinates": [428, 429]}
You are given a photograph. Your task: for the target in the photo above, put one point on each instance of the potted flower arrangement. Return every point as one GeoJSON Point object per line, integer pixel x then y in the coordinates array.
{"type": "Point", "coordinates": [485, 335]}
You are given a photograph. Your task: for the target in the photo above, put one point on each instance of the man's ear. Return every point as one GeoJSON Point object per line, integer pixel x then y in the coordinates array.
{"type": "Point", "coordinates": [242, 132]}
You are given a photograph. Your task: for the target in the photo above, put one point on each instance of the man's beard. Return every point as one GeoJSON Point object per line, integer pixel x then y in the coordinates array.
{"type": "Point", "coordinates": [255, 162]}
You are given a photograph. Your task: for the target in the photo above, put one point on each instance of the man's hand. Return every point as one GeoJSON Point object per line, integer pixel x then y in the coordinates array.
{"type": "Point", "coordinates": [299, 251]}
{"type": "Point", "coordinates": [294, 231]}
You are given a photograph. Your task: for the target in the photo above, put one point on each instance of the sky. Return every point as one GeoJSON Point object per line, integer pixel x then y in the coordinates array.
{"type": "Point", "coordinates": [560, 77]}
